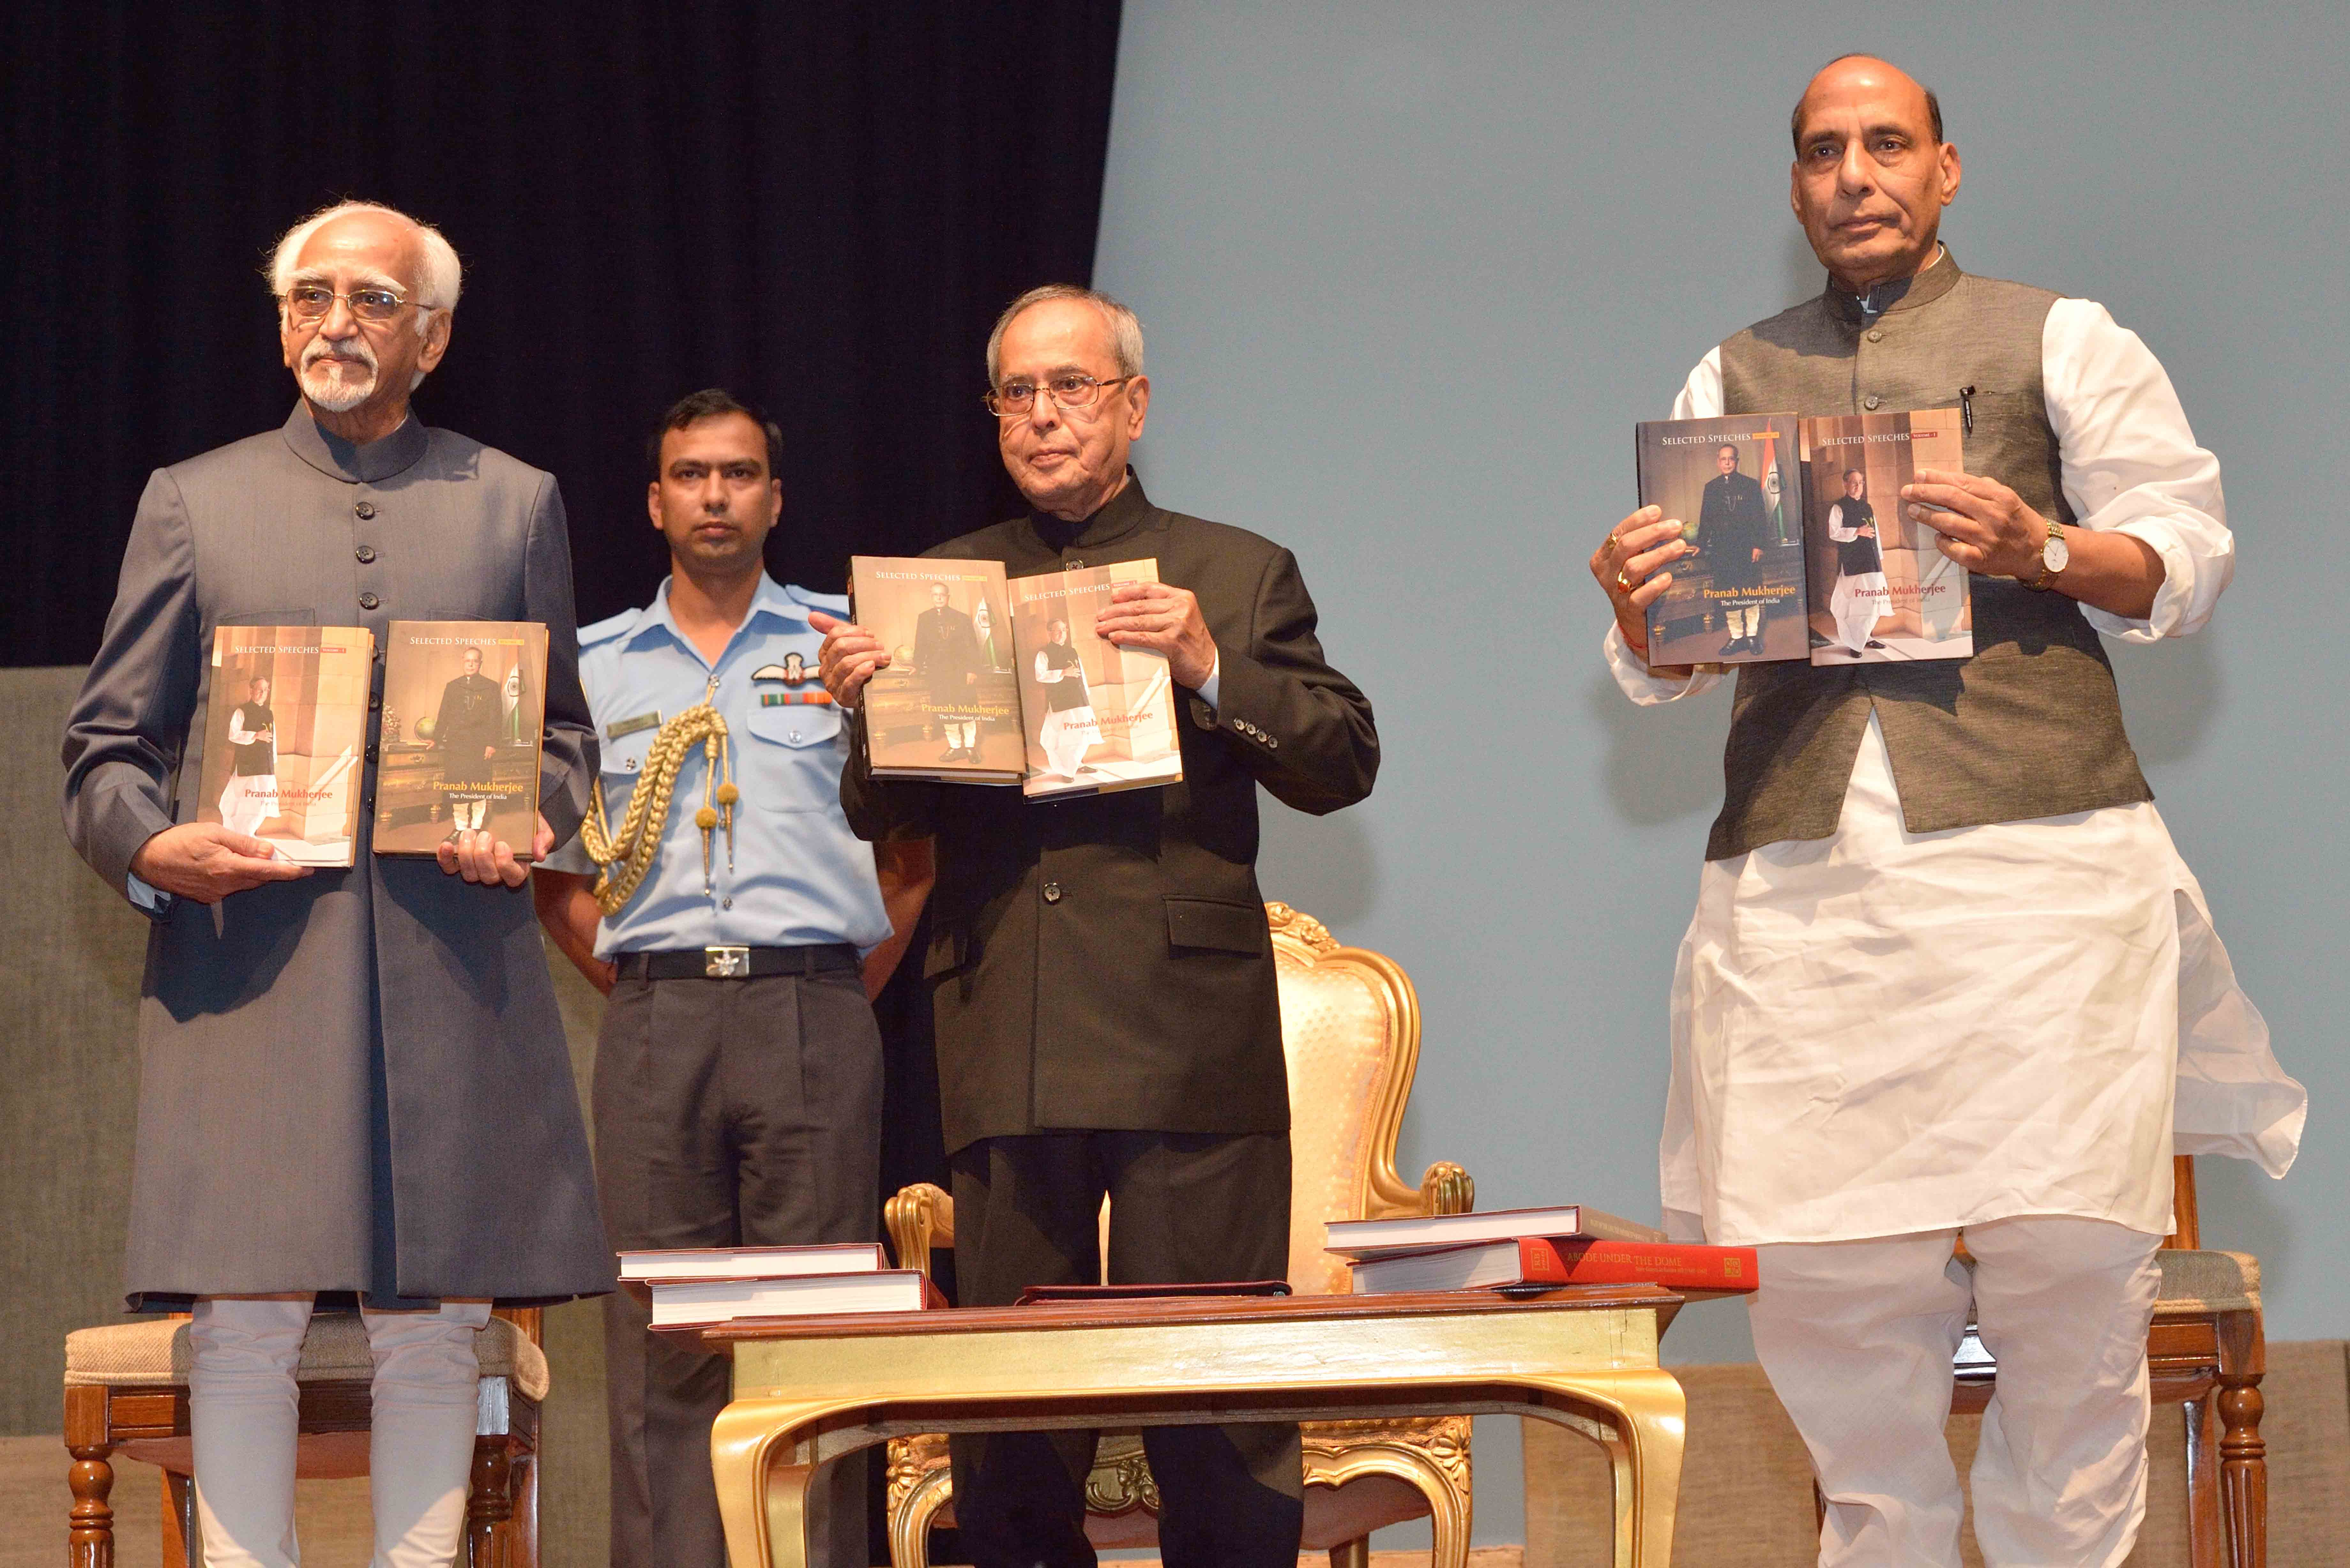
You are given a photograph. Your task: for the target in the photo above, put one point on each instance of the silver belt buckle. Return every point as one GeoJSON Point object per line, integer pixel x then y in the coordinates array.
{"type": "Point", "coordinates": [726, 963]}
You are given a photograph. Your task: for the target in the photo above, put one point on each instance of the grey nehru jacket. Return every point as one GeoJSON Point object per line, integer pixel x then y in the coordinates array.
{"type": "Point", "coordinates": [2030, 725]}
{"type": "Point", "coordinates": [356, 1081]}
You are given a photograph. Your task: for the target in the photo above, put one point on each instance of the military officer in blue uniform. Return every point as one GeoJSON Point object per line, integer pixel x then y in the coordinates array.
{"type": "Point", "coordinates": [739, 928]}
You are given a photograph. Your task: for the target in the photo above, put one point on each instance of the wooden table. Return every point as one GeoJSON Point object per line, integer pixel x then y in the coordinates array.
{"type": "Point", "coordinates": [810, 1390]}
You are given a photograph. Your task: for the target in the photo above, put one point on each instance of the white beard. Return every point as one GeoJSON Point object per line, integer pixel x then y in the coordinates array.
{"type": "Point", "coordinates": [338, 386]}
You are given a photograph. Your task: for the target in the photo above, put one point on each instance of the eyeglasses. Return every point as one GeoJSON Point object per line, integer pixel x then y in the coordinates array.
{"type": "Point", "coordinates": [308, 302]}
{"type": "Point", "coordinates": [1072, 391]}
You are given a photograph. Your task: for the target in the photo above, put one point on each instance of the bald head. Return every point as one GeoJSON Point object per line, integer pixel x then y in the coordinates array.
{"type": "Point", "coordinates": [1868, 67]}
{"type": "Point", "coordinates": [1872, 173]}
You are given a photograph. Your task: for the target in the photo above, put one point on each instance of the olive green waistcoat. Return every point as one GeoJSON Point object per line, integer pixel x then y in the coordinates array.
{"type": "Point", "coordinates": [2032, 724]}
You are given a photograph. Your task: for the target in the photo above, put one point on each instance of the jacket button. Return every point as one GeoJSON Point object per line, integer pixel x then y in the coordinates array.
{"type": "Point", "coordinates": [1869, 402]}
{"type": "Point", "coordinates": [1052, 892]}
{"type": "Point", "coordinates": [1273, 740]}
{"type": "Point", "coordinates": [368, 601]}
{"type": "Point", "coordinates": [1876, 335]}
{"type": "Point", "coordinates": [366, 509]}
{"type": "Point", "coordinates": [366, 553]}
{"type": "Point", "coordinates": [375, 701]}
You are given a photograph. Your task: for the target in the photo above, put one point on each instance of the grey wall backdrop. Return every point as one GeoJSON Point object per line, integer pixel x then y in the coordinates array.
{"type": "Point", "coordinates": [1409, 274]}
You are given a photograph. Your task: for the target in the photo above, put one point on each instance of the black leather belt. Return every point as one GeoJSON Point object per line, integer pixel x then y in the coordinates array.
{"type": "Point", "coordinates": [737, 964]}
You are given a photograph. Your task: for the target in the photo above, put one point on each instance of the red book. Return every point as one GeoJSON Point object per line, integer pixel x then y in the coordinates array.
{"type": "Point", "coordinates": [1525, 1261]}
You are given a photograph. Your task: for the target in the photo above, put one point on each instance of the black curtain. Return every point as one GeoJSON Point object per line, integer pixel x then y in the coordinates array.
{"type": "Point", "coordinates": [820, 207]}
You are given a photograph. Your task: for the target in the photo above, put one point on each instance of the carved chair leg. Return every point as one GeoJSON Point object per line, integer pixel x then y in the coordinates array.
{"type": "Point", "coordinates": [489, 1506]}
{"type": "Point", "coordinates": [2243, 1470]}
{"type": "Point", "coordinates": [180, 1547]}
{"type": "Point", "coordinates": [1355, 1554]}
{"type": "Point", "coordinates": [89, 1538]}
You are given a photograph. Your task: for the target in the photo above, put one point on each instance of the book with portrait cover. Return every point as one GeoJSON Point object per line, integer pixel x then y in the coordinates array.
{"type": "Point", "coordinates": [1734, 486]}
{"type": "Point", "coordinates": [1881, 592]}
{"type": "Point", "coordinates": [465, 703]}
{"type": "Point", "coordinates": [283, 730]}
{"type": "Point", "coordinates": [1003, 682]}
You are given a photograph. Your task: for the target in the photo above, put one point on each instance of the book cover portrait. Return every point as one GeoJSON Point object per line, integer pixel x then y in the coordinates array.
{"type": "Point", "coordinates": [1098, 716]}
{"type": "Point", "coordinates": [282, 730]}
{"type": "Point", "coordinates": [1880, 590]}
{"type": "Point", "coordinates": [948, 698]}
{"type": "Point", "coordinates": [1732, 486]}
{"type": "Point", "coordinates": [463, 706]}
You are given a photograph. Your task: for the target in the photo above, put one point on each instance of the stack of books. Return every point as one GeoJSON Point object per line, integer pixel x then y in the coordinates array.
{"type": "Point", "coordinates": [702, 1287]}
{"type": "Point", "coordinates": [1528, 1249]}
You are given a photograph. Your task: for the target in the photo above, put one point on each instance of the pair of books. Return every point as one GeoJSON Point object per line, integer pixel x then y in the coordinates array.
{"type": "Point", "coordinates": [702, 1287]}
{"type": "Point", "coordinates": [465, 703]}
{"type": "Point", "coordinates": [1003, 682]}
{"type": "Point", "coordinates": [1520, 1249]}
{"type": "Point", "coordinates": [1803, 547]}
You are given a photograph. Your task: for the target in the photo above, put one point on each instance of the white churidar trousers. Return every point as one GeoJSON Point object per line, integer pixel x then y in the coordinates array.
{"type": "Point", "coordinates": [250, 800]}
{"type": "Point", "coordinates": [1067, 735]}
{"type": "Point", "coordinates": [1856, 601]}
{"type": "Point", "coordinates": [242, 1410]}
{"type": "Point", "coordinates": [1857, 1337]}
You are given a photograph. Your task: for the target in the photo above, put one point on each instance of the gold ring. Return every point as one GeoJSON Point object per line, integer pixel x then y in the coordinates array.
{"type": "Point", "coordinates": [1623, 582]}
{"type": "Point", "coordinates": [1611, 540]}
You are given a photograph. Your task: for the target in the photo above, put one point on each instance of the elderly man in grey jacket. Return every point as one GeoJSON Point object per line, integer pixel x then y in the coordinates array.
{"type": "Point", "coordinates": [352, 1080]}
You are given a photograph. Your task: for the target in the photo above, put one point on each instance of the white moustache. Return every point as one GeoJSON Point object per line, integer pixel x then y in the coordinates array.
{"type": "Point", "coordinates": [326, 383]}
{"type": "Point", "coordinates": [356, 352]}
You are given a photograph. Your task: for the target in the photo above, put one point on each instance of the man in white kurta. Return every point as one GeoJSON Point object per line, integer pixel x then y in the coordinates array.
{"type": "Point", "coordinates": [1885, 1040]}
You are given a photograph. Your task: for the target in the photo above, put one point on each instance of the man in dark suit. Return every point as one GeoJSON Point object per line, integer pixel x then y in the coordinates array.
{"type": "Point", "coordinates": [1733, 523]}
{"type": "Point", "coordinates": [465, 733]}
{"type": "Point", "coordinates": [946, 656]}
{"type": "Point", "coordinates": [1101, 971]}
{"type": "Point", "coordinates": [351, 1079]}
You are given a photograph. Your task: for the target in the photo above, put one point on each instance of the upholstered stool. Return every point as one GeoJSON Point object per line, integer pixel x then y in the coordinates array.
{"type": "Point", "coordinates": [126, 1394]}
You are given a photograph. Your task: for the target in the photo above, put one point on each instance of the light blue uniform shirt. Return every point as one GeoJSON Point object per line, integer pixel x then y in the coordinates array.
{"type": "Point", "coordinates": [799, 876]}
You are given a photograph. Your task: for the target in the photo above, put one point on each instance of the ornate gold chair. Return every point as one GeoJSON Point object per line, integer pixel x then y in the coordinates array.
{"type": "Point", "coordinates": [1350, 1028]}
{"type": "Point", "coordinates": [127, 1396]}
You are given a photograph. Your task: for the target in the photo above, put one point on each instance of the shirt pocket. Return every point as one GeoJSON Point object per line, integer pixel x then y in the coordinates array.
{"type": "Point", "coordinates": [791, 759]}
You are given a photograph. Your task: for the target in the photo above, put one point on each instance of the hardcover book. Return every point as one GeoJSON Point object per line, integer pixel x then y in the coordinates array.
{"type": "Point", "coordinates": [1880, 590]}
{"type": "Point", "coordinates": [1734, 486]}
{"type": "Point", "coordinates": [1535, 1262]}
{"type": "Point", "coordinates": [1361, 1239]}
{"type": "Point", "coordinates": [464, 702]}
{"type": "Point", "coordinates": [283, 730]}
{"type": "Point", "coordinates": [702, 1303]}
{"type": "Point", "coordinates": [750, 1262]}
{"type": "Point", "coordinates": [1003, 682]}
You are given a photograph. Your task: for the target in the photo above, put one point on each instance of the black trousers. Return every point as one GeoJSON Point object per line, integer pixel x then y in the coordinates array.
{"type": "Point", "coordinates": [728, 1113]}
{"type": "Point", "coordinates": [1184, 1208]}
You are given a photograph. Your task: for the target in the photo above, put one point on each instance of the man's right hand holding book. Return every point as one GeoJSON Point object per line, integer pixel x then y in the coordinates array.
{"type": "Point", "coordinates": [851, 657]}
{"type": "Point", "coordinates": [1629, 566]}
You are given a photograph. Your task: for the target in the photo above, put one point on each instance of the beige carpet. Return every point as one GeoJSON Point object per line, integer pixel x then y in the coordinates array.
{"type": "Point", "coordinates": [1746, 1486]}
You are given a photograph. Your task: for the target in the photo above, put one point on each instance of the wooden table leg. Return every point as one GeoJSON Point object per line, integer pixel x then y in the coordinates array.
{"type": "Point", "coordinates": [761, 1504]}
{"type": "Point", "coordinates": [1643, 1427]}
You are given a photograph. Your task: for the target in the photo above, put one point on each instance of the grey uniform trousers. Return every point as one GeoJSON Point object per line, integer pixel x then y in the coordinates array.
{"type": "Point", "coordinates": [728, 1113]}
{"type": "Point", "coordinates": [1185, 1207]}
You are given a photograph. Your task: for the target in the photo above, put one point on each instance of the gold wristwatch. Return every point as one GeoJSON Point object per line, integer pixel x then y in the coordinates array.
{"type": "Point", "coordinates": [2055, 555]}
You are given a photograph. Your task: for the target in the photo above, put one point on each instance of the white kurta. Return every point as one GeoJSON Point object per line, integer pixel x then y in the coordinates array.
{"type": "Point", "coordinates": [1882, 1032]}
